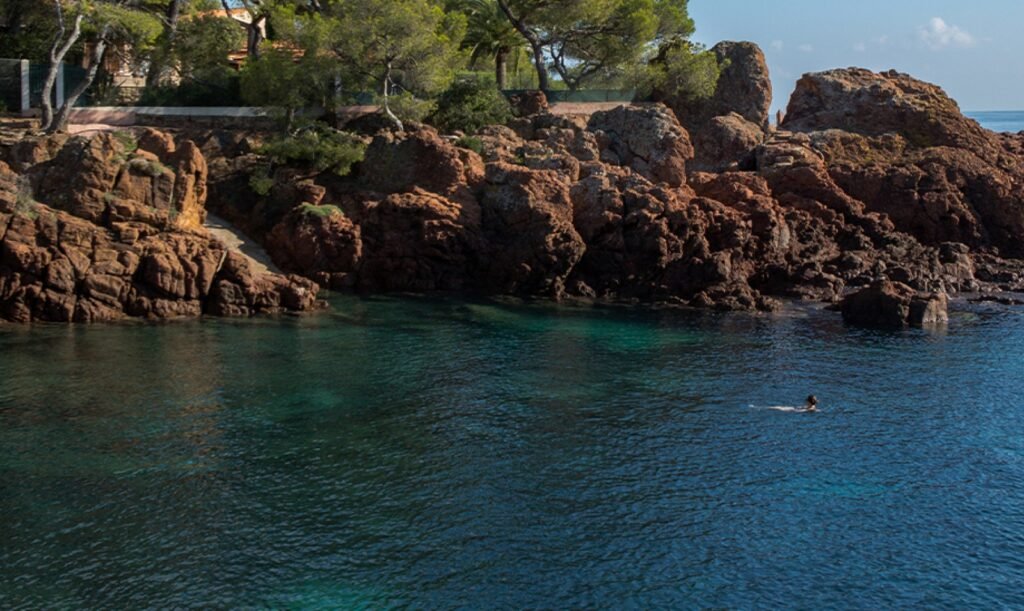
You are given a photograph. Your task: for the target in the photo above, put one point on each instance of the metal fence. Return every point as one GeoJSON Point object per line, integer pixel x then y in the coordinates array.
{"type": "Point", "coordinates": [21, 84]}
{"type": "Point", "coordinates": [12, 85]}
{"type": "Point", "coordinates": [36, 78]}
{"type": "Point", "coordinates": [21, 87]}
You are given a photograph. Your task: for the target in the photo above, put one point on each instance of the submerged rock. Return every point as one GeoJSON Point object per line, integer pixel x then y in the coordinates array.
{"type": "Point", "coordinates": [894, 305]}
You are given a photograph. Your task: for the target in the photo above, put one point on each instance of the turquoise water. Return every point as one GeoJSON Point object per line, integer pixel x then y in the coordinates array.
{"type": "Point", "coordinates": [1000, 121]}
{"type": "Point", "coordinates": [434, 454]}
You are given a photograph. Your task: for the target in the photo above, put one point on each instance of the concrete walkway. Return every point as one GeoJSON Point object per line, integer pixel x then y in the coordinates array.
{"type": "Point", "coordinates": [237, 241]}
{"type": "Point", "coordinates": [92, 119]}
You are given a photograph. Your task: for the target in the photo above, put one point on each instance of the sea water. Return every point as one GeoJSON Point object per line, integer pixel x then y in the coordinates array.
{"type": "Point", "coordinates": [412, 453]}
{"type": "Point", "coordinates": [1000, 121]}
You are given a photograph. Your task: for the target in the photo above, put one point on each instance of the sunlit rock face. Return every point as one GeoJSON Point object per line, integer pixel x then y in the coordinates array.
{"type": "Point", "coordinates": [105, 228]}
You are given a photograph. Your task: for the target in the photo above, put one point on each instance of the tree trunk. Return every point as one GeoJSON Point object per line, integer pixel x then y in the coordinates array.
{"type": "Point", "coordinates": [501, 68]}
{"type": "Point", "coordinates": [255, 37]}
{"type": "Point", "coordinates": [535, 44]}
{"type": "Point", "coordinates": [387, 95]}
{"type": "Point", "coordinates": [253, 31]}
{"type": "Point", "coordinates": [59, 49]}
{"type": "Point", "coordinates": [289, 118]}
{"type": "Point", "coordinates": [158, 69]}
{"type": "Point", "coordinates": [542, 71]}
{"type": "Point", "coordinates": [60, 122]}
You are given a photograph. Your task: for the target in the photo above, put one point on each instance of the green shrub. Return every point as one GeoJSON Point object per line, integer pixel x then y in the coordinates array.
{"type": "Point", "coordinates": [148, 167]}
{"type": "Point", "coordinates": [320, 211]}
{"type": "Point", "coordinates": [25, 204]}
{"type": "Point", "coordinates": [318, 147]}
{"type": "Point", "coordinates": [215, 87]}
{"type": "Point", "coordinates": [472, 143]}
{"type": "Point", "coordinates": [470, 104]}
{"type": "Point", "coordinates": [261, 182]}
{"type": "Point", "coordinates": [408, 108]}
{"type": "Point", "coordinates": [275, 81]}
{"type": "Point", "coordinates": [127, 140]}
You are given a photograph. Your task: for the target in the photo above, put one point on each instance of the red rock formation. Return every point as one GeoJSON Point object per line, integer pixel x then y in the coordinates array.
{"type": "Point", "coordinates": [119, 236]}
{"type": "Point", "coordinates": [744, 88]}
{"type": "Point", "coordinates": [321, 243]}
{"type": "Point", "coordinates": [526, 220]}
{"type": "Point", "coordinates": [903, 148]}
{"type": "Point", "coordinates": [529, 103]}
{"type": "Point", "coordinates": [418, 241]}
{"type": "Point", "coordinates": [726, 143]}
{"type": "Point", "coordinates": [603, 208]}
{"type": "Point", "coordinates": [420, 159]}
{"type": "Point", "coordinates": [647, 139]}
{"type": "Point", "coordinates": [893, 305]}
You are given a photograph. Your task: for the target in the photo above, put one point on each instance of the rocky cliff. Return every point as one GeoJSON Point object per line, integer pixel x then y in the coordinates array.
{"type": "Point", "coordinates": [872, 178]}
{"type": "Point", "coordinates": [110, 227]}
{"type": "Point", "coordinates": [607, 207]}
{"type": "Point", "coordinates": [903, 148]}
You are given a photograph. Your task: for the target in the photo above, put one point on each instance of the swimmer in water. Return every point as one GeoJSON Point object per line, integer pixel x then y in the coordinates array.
{"type": "Point", "coordinates": [812, 404]}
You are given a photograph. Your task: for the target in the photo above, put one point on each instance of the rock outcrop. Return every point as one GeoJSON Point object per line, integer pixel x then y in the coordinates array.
{"type": "Point", "coordinates": [726, 143]}
{"type": "Point", "coordinates": [903, 148]}
{"type": "Point", "coordinates": [744, 88]}
{"type": "Point", "coordinates": [874, 104]}
{"type": "Point", "coordinates": [647, 139]}
{"type": "Point", "coordinates": [597, 208]}
{"type": "Point", "coordinates": [889, 304]}
{"type": "Point", "coordinates": [101, 228]}
{"type": "Point", "coordinates": [625, 205]}
{"type": "Point", "coordinates": [529, 103]}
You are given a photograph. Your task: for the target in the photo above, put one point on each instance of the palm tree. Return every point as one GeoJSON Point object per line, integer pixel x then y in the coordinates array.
{"type": "Point", "coordinates": [490, 35]}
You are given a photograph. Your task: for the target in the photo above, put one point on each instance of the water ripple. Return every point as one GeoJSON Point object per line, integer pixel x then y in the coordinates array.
{"type": "Point", "coordinates": [434, 454]}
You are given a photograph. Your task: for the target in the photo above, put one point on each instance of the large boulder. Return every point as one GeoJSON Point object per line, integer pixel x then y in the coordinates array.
{"type": "Point", "coordinates": [726, 143]}
{"type": "Point", "coordinates": [647, 139]}
{"type": "Point", "coordinates": [894, 305]}
{"type": "Point", "coordinates": [418, 241]}
{"type": "Point", "coordinates": [903, 148]}
{"type": "Point", "coordinates": [320, 242]}
{"type": "Point", "coordinates": [416, 159]}
{"type": "Point", "coordinates": [872, 104]}
{"type": "Point", "coordinates": [744, 88]}
{"type": "Point", "coordinates": [633, 231]}
{"type": "Point", "coordinates": [527, 222]}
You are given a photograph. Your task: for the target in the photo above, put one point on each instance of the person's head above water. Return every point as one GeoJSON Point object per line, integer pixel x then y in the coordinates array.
{"type": "Point", "coordinates": [812, 401]}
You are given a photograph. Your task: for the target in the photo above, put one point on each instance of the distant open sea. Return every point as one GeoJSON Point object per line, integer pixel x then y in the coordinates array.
{"type": "Point", "coordinates": [1000, 121]}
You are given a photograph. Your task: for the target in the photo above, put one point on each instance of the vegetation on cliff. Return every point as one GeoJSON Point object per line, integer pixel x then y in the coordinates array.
{"type": "Point", "coordinates": [325, 53]}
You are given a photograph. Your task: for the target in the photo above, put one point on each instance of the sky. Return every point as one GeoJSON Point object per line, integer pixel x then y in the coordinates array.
{"type": "Point", "coordinates": [974, 49]}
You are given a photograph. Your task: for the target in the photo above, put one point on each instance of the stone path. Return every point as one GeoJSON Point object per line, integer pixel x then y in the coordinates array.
{"type": "Point", "coordinates": [238, 242]}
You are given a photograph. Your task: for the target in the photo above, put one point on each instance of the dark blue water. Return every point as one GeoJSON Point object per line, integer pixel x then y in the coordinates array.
{"type": "Point", "coordinates": [421, 454]}
{"type": "Point", "coordinates": [1000, 121]}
